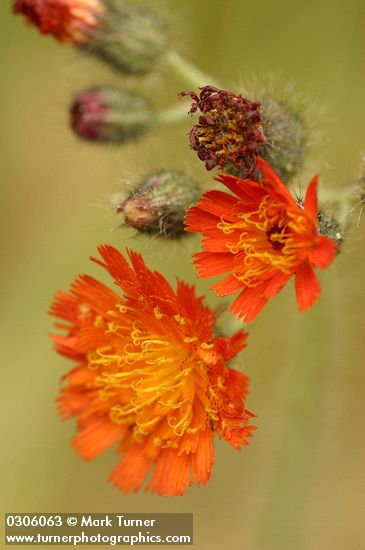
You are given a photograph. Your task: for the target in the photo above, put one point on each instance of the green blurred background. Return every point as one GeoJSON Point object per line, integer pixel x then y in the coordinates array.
{"type": "Point", "coordinates": [301, 482]}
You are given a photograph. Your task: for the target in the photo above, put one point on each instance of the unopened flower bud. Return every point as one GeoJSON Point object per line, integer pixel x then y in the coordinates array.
{"type": "Point", "coordinates": [110, 114]}
{"type": "Point", "coordinates": [159, 204]}
{"type": "Point", "coordinates": [129, 37]}
{"type": "Point", "coordinates": [330, 227]}
{"type": "Point", "coordinates": [228, 131]}
{"type": "Point", "coordinates": [285, 137]}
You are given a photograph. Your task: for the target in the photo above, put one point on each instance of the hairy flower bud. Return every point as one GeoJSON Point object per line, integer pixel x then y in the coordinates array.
{"type": "Point", "coordinates": [132, 38]}
{"type": "Point", "coordinates": [285, 139]}
{"type": "Point", "coordinates": [109, 114]}
{"type": "Point", "coordinates": [229, 129]}
{"type": "Point", "coordinates": [330, 227]}
{"type": "Point", "coordinates": [159, 204]}
{"type": "Point", "coordinates": [129, 37]}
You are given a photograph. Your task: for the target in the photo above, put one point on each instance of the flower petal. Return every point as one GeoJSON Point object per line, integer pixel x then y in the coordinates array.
{"type": "Point", "coordinates": [324, 253]}
{"type": "Point", "coordinates": [115, 262]}
{"type": "Point", "coordinates": [203, 458]}
{"type": "Point", "coordinates": [216, 202]}
{"type": "Point", "coordinates": [99, 435]}
{"type": "Point", "coordinates": [214, 240]}
{"type": "Point", "coordinates": [227, 286]}
{"type": "Point", "coordinates": [248, 191]}
{"type": "Point", "coordinates": [273, 182]}
{"type": "Point", "coordinates": [189, 304]}
{"type": "Point", "coordinates": [230, 347]}
{"type": "Point", "coordinates": [171, 473]}
{"type": "Point", "coordinates": [208, 264]}
{"type": "Point", "coordinates": [71, 402]}
{"type": "Point", "coordinates": [307, 286]}
{"type": "Point", "coordinates": [311, 201]}
{"type": "Point", "coordinates": [131, 470]}
{"type": "Point", "coordinates": [196, 220]}
{"type": "Point", "coordinates": [252, 300]}
{"type": "Point", "coordinates": [249, 303]}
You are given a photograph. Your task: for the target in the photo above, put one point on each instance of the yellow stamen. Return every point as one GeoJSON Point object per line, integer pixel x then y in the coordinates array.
{"type": "Point", "coordinates": [98, 322]}
{"type": "Point", "coordinates": [179, 319]}
{"type": "Point", "coordinates": [158, 313]}
{"type": "Point", "coordinates": [189, 340]}
{"type": "Point", "coordinates": [205, 345]}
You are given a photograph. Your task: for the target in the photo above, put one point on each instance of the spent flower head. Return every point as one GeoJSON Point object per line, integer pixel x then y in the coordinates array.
{"type": "Point", "coordinates": [229, 129]}
{"type": "Point", "coordinates": [150, 376]}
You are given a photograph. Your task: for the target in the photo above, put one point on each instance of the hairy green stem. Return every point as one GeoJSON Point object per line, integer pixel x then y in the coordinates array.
{"type": "Point", "coordinates": [189, 72]}
{"type": "Point", "coordinates": [174, 114]}
{"type": "Point", "coordinates": [193, 76]}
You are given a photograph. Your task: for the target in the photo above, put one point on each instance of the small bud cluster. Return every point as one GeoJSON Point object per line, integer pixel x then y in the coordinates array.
{"type": "Point", "coordinates": [232, 131]}
{"type": "Point", "coordinates": [131, 38]}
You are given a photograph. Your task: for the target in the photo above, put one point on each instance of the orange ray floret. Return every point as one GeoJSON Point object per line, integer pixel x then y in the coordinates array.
{"type": "Point", "coordinates": [260, 237]}
{"type": "Point", "coordinates": [150, 376]}
{"type": "Point", "coordinates": [67, 20]}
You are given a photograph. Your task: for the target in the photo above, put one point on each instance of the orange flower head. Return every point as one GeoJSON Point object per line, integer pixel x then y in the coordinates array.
{"type": "Point", "coordinates": [260, 236]}
{"type": "Point", "coordinates": [68, 20]}
{"type": "Point", "coordinates": [150, 376]}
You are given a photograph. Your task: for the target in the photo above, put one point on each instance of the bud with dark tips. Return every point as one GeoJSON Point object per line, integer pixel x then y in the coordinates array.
{"type": "Point", "coordinates": [110, 114]}
{"type": "Point", "coordinates": [330, 227]}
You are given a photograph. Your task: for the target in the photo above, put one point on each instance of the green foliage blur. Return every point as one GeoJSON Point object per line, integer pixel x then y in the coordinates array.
{"type": "Point", "coordinates": [301, 482]}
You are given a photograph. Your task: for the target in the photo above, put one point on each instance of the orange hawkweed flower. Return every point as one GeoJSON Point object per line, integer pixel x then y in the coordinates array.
{"type": "Point", "coordinates": [150, 376]}
{"type": "Point", "coordinates": [260, 236]}
{"type": "Point", "coordinates": [68, 20]}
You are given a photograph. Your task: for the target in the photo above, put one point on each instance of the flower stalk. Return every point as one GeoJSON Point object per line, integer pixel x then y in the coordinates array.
{"type": "Point", "coordinates": [188, 71]}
